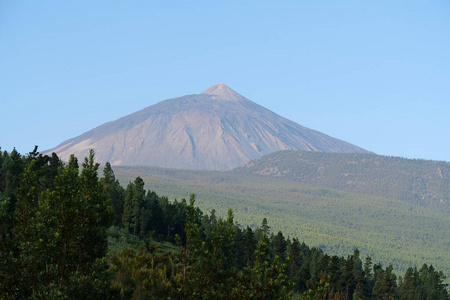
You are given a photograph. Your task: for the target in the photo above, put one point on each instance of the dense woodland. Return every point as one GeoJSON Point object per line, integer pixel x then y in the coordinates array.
{"type": "Point", "coordinates": [415, 181]}
{"type": "Point", "coordinates": [391, 231]}
{"type": "Point", "coordinates": [67, 233]}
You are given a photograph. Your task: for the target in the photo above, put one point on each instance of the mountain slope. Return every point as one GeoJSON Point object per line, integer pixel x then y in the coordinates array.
{"type": "Point", "coordinates": [390, 230]}
{"type": "Point", "coordinates": [215, 130]}
{"type": "Point", "coordinates": [422, 182]}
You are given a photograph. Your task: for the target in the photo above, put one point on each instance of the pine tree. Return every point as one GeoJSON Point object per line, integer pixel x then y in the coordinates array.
{"type": "Point", "coordinates": [269, 279]}
{"type": "Point", "coordinates": [115, 192]}
{"type": "Point", "coordinates": [249, 246]}
{"type": "Point", "coordinates": [265, 227]}
{"type": "Point", "coordinates": [156, 222]}
{"type": "Point", "coordinates": [14, 169]}
{"type": "Point", "coordinates": [294, 263]}
{"type": "Point", "coordinates": [409, 284]}
{"type": "Point", "coordinates": [138, 204]}
{"type": "Point", "coordinates": [368, 276]}
{"type": "Point", "coordinates": [57, 238]}
{"type": "Point", "coordinates": [128, 208]}
{"type": "Point", "coordinates": [386, 285]}
{"type": "Point", "coordinates": [239, 248]}
{"type": "Point", "coordinates": [279, 245]}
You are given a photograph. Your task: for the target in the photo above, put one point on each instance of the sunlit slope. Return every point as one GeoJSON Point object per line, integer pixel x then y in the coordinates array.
{"type": "Point", "coordinates": [214, 130]}
{"type": "Point", "coordinates": [388, 229]}
{"type": "Point", "coordinates": [416, 181]}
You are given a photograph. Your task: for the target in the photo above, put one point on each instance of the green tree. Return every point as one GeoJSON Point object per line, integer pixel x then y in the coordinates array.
{"type": "Point", "coordinates": [239, 248]}
{"type": "Point", "coordinates": [128, 208]}
{"type": "Point", "coordinates": [142, 275]}
{"type": "Point", "coordinates": [269, 278]}
{"type": "Point", "coordinates": [279, 245]}
{"type": "Point", "coordinates": [115, 192]}
{"type": "Point", "coordinates": [265, 227]}
{"type": "Point", "coordinates": [76, 215]}
{"type": "Point", "coordinates": [134, 211]}
{"type": "Point", "coordinates": [56, 240]}
{"type": "Point", "coordinates": [138, 204]}
{"type": "Point", "coordinates": [19, 251]}
{"type": "Point", "coordinates": [368, 276]}
{"type": "Point", "coordinates": [409, 284]}
{"type": "Point", "coordinates": [294, 263]}
{"type": "Point", "coordinates": [14, 168]}
{"type": "Point", "coordinates": [386, 285]}
{"type": "Point", "coordinates": [249, 246]}
{"type": "Point", "coordinates": [431, 284]}
{"type": "Point", "coordinates": [155, 220]}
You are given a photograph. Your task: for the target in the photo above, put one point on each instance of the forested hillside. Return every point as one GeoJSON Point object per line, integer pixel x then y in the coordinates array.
{"type": "Point", "coordinates": [392, 231]}
{"type": "Point", "coordinates": [66, 233]}
{"type": "Point", "coordinates": [415, 181]}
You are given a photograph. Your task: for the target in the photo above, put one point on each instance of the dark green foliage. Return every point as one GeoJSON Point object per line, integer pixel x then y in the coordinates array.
{"type": "Point", "coordinates": [128, 209]}
{"type": "Point", "coordinates": [386, 285]}
{"type": "Point", "coordinates": [148, 215]}
{"type": "Point", "coordinates": [249, 246]}
{"type": "Point", "coordinates": [279, 245]}
{"type": "Point", "coordinates": [426, 283]}
{"type": "Point", "coordinates": [120, 239]}
{"type": "Point", "coordinates": [116, 193]}
{"type": "Point", "coordinates": [391, 231]}
{"type": "Point", "coordinates": [155, 220]}
{"type": "Point", "coordinates": [54, 239]}
{"type": "Point", "coordinates": [209, 271]}
{"type": "Point", "coordinates": [239, 248]}
{"type": "Point", "coordinates": [431, 283]}
{"type": "Point", "coordinates": [269, 277]}
{"type": "Point", "coordinates": [294, 254]}
{"type": "Point", "coordinates": [142, 275]}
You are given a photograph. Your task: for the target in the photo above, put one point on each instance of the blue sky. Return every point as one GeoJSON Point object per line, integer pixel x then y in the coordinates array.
{"type": "Point", "coordinates": [373, 73]}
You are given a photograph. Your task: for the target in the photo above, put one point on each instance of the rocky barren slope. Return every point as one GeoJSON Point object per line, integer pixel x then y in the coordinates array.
{"type": "Point", "coordinates": [215, 130]}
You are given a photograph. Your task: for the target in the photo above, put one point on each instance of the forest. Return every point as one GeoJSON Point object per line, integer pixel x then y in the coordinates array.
{"type": "Point", "coordinates": [390, 230]}
{"type": "Point", "coordinates": [68, 233]}
{"type": "Point", "coordinates": [415, 181]}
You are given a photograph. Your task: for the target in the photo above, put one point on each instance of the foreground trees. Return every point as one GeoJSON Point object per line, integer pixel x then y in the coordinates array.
{"type": "Point", "coordinates": [53, 244]}
{"type": "Point", "coordinates": [53, 231]}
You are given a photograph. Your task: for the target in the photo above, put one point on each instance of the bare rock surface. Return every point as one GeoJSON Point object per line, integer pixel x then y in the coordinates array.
{"type": "Point", "coordinates": [215, 130]}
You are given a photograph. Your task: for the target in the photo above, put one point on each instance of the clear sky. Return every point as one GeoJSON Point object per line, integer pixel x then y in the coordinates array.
{"type": "Point", "coordinates": [372, 73]}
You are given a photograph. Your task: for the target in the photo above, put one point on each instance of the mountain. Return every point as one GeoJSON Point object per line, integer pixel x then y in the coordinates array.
{"type": "Point", "coordinates": [215, 130]}
{"type": "Point", "coordinates": [415, 181]}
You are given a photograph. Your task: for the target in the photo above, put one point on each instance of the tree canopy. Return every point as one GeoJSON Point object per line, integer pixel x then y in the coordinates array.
{"type": "Point", "coordinates": [67, 234]}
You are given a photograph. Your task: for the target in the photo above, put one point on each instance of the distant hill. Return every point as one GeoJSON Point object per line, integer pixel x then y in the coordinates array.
{"type": "Point", "coordinates": [399, 232]}
{"type": "Point", "coordinates": [215, 130]}
{"type": "Point", "coordinates": [416, 181]}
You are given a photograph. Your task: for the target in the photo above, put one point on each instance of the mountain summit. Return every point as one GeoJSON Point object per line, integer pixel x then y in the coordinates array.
{"type": "Point", "coordinates": [224, 92]}
{"type": "Point", "coordinates": [215, 130]}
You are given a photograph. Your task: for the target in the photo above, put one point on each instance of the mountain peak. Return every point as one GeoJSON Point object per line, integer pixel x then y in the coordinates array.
{"type": "Point", "coordinates": [218, 130]}
{"type": "Point", "coordinates": [223, 92]}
